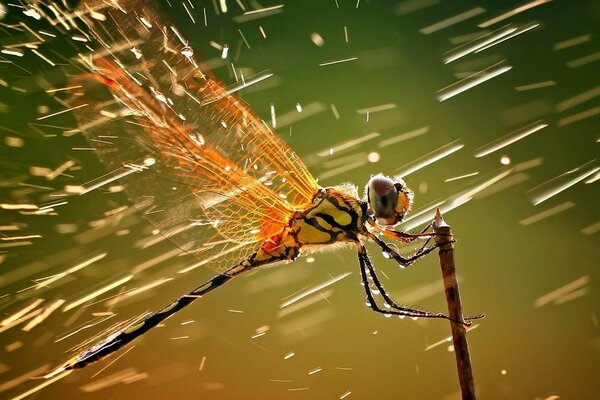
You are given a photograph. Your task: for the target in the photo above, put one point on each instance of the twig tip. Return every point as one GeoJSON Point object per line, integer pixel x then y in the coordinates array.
{"type": "Point", "coordinates": [438, 220]}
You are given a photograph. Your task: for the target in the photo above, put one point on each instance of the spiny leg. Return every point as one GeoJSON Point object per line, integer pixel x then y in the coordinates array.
{"type": "Point", "coordinates": [389, 301]}
{"type": "Point", "coordinates": [406, 237]}
{"type": "Point", "coordinates": [393, 255]}
{"type": "Point", "coordinates": [365, 265]}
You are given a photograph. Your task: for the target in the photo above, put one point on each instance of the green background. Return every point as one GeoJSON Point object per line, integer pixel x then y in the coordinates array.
{"type": "Point", "coordinates": [504, 266]}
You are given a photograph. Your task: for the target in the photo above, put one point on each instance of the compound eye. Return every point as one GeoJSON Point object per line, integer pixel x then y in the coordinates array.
{"type": "Point", "coordinates": [383, 196]}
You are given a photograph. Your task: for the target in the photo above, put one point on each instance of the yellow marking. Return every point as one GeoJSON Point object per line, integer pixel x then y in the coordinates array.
{"type": "Point", "coordinates": [133, 328]}
{"type": "Point", "coordinates": [72, 361]}
{"type": "Point", "coordinates": [239, 268]}
{"type": "Point", "coordinates": [324, 223]}
{"type": "Point", "coordinates": [262, 255]}
{"type": "Point", "coordinates": [341, 217]}
{"type": "Point", "coordinates": [168, 308]}
{"type": "Point", "coordinates": [311, 235]}
{"type": "Point", "coordinates": [201, 288]}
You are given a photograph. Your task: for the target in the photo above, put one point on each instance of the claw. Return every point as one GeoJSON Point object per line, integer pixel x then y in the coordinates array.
{"type": "Point", "coordinates": [475, 317]}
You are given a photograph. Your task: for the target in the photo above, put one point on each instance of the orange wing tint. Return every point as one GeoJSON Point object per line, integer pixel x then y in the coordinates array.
{"type": "Point", "coordinates": [220, 181]}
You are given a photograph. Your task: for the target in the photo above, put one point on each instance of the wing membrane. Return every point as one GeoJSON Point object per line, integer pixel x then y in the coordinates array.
{"type": "Point", "coordinates": [212, 176]}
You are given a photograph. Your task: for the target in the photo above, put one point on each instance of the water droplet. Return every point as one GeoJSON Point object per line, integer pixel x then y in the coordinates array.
{"type": "Point", "coordinates": [178, 89]}
{"type": "Point", "coordinates": [387, 315]}
{"type": "Point", "coordinates": [136, 52]}
{"type": "Point", "coordinates": [386, 305]}
{"type": "Point", "coordinates": [198, 138]}
{"type": "Point", "coordinates": [317, 39]}
{"type": "Point", "coordinates": [373, 157]}
{"type": "Point", "coordinates": [32, 12]}
{"type": "Point", "coordinates": [146, 22]}
{"type": "Point", "coordinates": [401, 316]}
{"type": "Point", "coordinates": [97, 16]}
{"type": "Point", "coordinates": [159, 96]}
{"type": "Point", "coordinates": [414, 318]}
{"type": "Point", "coordinates": [387, 255]}
{"type": "Point", "coordinates": [187, 52]}
{"type": "Point", "coordinates": [394, 247]}
{"type": "Point", "coordinates": [368, 303]}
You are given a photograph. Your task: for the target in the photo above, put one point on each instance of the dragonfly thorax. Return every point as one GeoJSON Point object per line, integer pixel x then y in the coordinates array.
{"type": "Point", "coordinates": [335, 215]}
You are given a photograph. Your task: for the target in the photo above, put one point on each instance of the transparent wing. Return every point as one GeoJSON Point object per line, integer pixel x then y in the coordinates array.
{"type": "Point", "coordinates": [206, 171]}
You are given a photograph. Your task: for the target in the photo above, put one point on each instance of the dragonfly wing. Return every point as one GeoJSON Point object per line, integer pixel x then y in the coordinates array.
{"type": "Point", "coordinates": [170, 193]}
{"type": "Point", "coordinates": [206, 171]}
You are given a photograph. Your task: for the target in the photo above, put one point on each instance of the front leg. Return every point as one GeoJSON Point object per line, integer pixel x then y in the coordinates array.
{"type": "Point", "coordinates": [404, 262]}
{"type": "Point", "coordinates": [405, 237]}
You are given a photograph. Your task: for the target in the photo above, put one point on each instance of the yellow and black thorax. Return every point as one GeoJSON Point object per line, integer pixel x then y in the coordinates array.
{"type": "Point", "coordinates": [335, 215]}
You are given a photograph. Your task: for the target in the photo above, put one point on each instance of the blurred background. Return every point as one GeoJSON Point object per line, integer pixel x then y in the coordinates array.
{"type": "Point", "coordinates": [488, 109]}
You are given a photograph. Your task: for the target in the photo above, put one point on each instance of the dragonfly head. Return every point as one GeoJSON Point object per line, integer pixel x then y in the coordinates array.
{"type": "Point", "coordinates": [389, 199]}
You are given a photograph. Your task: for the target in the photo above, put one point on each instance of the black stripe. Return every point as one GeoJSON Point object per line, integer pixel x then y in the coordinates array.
{"type": "Point", "coordinates": [348, 210]}
{"type": "Point", "coordinates": [315, 224]}
{"type": "Point", "coordinates": [336, 203]}
{"type": "Point", "coordinates": [331, 221]}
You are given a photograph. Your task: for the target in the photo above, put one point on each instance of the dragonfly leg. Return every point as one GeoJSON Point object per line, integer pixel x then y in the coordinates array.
{"type": "Point", "coordinates": [403, 261]}
{"type": "Point", "coordinates": [406, 237]}
{"type": "Point", "coordinates": [367, 270]}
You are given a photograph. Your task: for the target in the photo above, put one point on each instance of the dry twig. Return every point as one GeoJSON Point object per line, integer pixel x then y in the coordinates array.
{"type": "Point", "coordinates": [445, 241]}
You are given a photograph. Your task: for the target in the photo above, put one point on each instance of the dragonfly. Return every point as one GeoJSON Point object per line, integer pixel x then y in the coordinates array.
{"type": "Point", "coordinates": [208, 173]}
